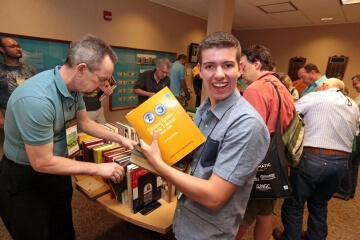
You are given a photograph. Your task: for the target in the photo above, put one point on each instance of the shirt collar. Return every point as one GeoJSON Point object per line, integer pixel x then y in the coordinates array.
{"type": "Point", "coordinates": [60, 83]}
{"type": "Point", "coordinates": [220, 109]}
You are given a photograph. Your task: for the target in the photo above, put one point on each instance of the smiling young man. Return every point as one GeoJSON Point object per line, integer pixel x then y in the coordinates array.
{"type": "Point", "coordinates": [216, 192]}
{"type": "Point", "coordinates": [35, 181]}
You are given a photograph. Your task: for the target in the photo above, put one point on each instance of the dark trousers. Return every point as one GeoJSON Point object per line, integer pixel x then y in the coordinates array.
{"type": "Point", "coordinates": [314, 181]}
{"type": "Point", "coordinates": [198, 100]}
{"type": "Point", "coordinates": [349, 181]}
{"type": "Point", "coordinates": [35, 205]}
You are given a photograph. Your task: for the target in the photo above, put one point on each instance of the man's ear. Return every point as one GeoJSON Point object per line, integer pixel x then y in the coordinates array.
{"type": "Point", "coordinates": [80, 68]}
{"type": "Point", "coordinates": [241, 68]}
{"type": "Point", "coordinates": [199, 67]}
{"type": "Point", "coordinates": [321, 87]}
{"type": "Point", "coordinates": [257, 65]}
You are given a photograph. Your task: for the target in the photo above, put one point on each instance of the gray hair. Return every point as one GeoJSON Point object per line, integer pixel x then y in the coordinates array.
{"type": "Point", "coordinates": [335, 83]}
{"type": "Point", "coordinates": [90, 50]}
{"type": "Point", "coordinates": [164, 62]}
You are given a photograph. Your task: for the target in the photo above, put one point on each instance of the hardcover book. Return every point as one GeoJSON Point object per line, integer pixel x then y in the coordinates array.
{"type": "Point", "coordinates": [92, 187]}
{"type": "Point", "coordinates": [88, 144]}
{"type": "Point", "coordinates": [178, 134]}
{"type": "Point", "coordinates": [98, 152]}
{"type": "Point", "coordinates": [146, 188]}
{"type": "Point", "coordinates": [120, 189]}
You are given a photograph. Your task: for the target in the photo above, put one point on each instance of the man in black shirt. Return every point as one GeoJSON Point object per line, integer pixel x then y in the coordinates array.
{"type": "Point", "coordinates": [152, 81]}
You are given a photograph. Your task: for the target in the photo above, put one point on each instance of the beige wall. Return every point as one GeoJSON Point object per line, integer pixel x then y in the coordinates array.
{"type": "Point", "coordinates": [316, 44]}
{"type": "Point", "coordinates": [136, 24]}
{"type": "Point", "coordinates": [146, 25]}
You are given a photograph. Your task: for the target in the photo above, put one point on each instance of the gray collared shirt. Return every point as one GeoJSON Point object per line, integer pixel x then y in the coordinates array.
{"type": "Point", "coordinates": [237, 141]}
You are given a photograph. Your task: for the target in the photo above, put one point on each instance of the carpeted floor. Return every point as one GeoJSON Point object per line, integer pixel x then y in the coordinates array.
{"type": "Point", "coordinates": [92, 222]}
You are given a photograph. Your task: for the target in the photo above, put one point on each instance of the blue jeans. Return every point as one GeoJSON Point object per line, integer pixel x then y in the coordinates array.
{"type": "Point", "coordinates": [349, 181]}
{"type": "Point", "coordinates": [314, 181]}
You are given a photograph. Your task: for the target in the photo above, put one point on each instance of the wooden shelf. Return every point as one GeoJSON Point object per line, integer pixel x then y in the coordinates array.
{"type": "Point", "coordinates": [160, 220]}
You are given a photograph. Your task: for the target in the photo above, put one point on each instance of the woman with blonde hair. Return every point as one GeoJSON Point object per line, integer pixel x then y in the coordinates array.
{"type": "Point", "coordinates": [286, 80]}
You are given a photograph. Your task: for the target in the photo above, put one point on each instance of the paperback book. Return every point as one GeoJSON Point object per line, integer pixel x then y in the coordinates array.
{"type": "Point", "coordinates": [178, 134]}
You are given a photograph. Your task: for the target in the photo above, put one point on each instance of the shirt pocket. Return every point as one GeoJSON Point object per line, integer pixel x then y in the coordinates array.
{"type": "Point", "coordinates": [209, 153]}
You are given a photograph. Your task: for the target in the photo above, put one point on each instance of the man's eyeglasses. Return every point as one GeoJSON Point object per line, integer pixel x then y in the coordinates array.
{"type": "Point", "coordinates": [164, 72]}
{"type": "Point", "coordinates": [14, 46]}
{"type": "Point", "coordinates": [102, 81]}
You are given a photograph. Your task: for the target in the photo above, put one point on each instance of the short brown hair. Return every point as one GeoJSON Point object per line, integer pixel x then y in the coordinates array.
{"type": "Point", "coordinates": [219, 40]}
{"type": "Point", "coordinates": [310, 67]}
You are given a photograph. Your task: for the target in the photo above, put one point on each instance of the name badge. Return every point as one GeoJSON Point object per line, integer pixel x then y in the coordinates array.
{"type": "Point", "coordinates": [71, 138]}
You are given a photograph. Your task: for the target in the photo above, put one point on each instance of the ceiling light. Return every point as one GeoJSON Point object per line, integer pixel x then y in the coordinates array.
{"type": "Point", "coordinates": [278, 7]}
{"type": "Point", "coordinates": [346, 2]}
{"type": "Point", "coordinates": [327, 19]}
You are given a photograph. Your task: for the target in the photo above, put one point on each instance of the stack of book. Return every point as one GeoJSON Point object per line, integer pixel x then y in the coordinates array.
{"type": "Point", "coordinates": [97, 150]}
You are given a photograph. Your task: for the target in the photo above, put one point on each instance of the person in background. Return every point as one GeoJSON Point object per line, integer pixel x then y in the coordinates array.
{"type": "Point", "coordinates": [261, 94]}
{"type": "Point", "coordinates": [299, 85]}
{"type": "Point", "coordinates": [348, 183]}
{"type": "Point", "coordinates": [177, 78]}
{"type": "Point", "coordinates": [151, 82]}
{"type": "Point", "coordinates": [35, 173]}
{"type": "Point", "coordinates": [241, 85]}
{"type": "Point", "coordinates": [311, 76]}
{"type": "Point", "coordinates": [197, 83]}
{"type": "Point", "coordinates": [93, 105]}
{"type": "Point", "coordinates": [286, 80]}
{"type": "Point", "coordinates": [12, 74]}
{"type": "Point", "coordinates": [216, 192]}
{"type": "Point", "coordinates": [331, 120]}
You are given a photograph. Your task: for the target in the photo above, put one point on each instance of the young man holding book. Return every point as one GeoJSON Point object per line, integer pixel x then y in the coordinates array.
{"type": "Point", "coordinates": [35, 181]}
{"type": "Point", "coordinates": [216, 192]}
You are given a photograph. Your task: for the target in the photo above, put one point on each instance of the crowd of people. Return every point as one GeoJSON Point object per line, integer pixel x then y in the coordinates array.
{"type": "Point", "coordinates": [215, 203]}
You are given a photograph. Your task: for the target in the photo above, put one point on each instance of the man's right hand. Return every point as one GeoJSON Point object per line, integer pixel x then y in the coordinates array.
{"type": "Point", "coordinates": [112, 171]}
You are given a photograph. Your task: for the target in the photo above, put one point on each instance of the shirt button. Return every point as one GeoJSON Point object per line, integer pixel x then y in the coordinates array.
{"type": "Point", "coordinates": [178, 210]}
{"type": "Point", "coordinates": [206, 125]}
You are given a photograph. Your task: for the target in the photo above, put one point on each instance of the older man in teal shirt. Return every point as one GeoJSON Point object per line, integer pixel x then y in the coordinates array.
{"type": "Point", "coordinates": [311, 76]}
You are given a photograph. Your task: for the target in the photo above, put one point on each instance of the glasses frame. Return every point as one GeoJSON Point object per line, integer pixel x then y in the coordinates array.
{"type": "Point", "coordinates": [162, 71]}
{"type": "Point", "coordinates": [101, 81]}
{"type": "Point", "coordinates": [13, 46]}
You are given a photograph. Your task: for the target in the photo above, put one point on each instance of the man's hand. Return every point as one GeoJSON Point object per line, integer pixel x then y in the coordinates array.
{"type": "Point", "coordinates": [152, 152]}
{"type": "Point", "coordinates": [128, 144]}
{"type": "Point", "coordinates": [112, 171]}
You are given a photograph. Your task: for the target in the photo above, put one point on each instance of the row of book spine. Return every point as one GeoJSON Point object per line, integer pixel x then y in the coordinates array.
{"type": "Point", "coordinates": [140, 188]}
